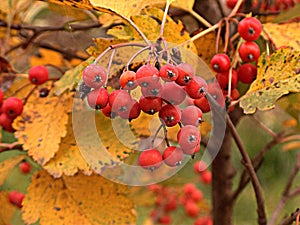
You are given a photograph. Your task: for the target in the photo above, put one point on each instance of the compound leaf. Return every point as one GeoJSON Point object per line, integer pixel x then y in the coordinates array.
{"type": "Point", "coordinates": [78, 199]}
{"type": "Point", "coordinates": [42, 125]}
{"type": "Point", "coordinates": [277, 76]}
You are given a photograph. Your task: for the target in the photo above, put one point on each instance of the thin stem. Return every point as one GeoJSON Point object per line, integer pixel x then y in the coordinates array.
{"type": "Point", "coordinates": [110, 63]}
{"type": "Point", "coordinates": [8, 145]}
{"type": "Point", "coordinates": [264, 127]}
{"type": "Point", "coordinates": [218, 37]}
{"type": "Point", "coordinates": [155, 135]}
{"type": "Point", "coordinates": [229, 83]}
{"type": "Point", "coordinates": [135, 55]}
{"type": "Point", "coordinates": [262, 219]}
{"type": "Point", "coordinates": [163, 22]}
{"type": "Point", "coordinates": [200, 18]}
{"type": "Point", "coordinates": [166, 135]}
{"type": "Point", "coordinates": [236, 8]}
{"type": "Point", "coordinates": [227, 34]}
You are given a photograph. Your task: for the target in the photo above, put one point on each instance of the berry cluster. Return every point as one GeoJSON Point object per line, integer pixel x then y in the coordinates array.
{"type": "Point", "coordinates": [9, 110]}
{"type": "Point", "coordinates": [249, 29]}
{"type": "Point", "coordinates": [172, 91]}
{"type": "Point", "coordinates": [169, 199]}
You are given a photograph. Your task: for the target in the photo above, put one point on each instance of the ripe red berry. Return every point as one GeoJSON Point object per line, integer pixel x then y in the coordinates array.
{"type": "Point", "coordinates": [247, 73]}
{"type": "Point", "coordinates": [6, 122]}
{"type": "Point", "coordinates": [98, 98]}
{"type": "Point", "coordinates": [16, 198]}
{"type": "Point", "coordinates": [191, 209]}
{"type": "Point", "coordinates": [196, 196]}
{"type": "Point", "coordinates": [170, 115]}
{"type": "Point", "coordinates": [164, 219]}
{"type": "Point", "coordinates": [203, 104]}
{"type": "Point", "coordinates": [185, 74]}
{"type": "Point", "coordinates": [191, 115]}
{"type": "Point", "coordinates": [249, 51]}
{"type": "Point", "coordinates": [196, 87]}
{"type": "Point", "coordinates": [107, 112]}
{"type": "Point", "coordinates": [13, 107]}
{"type": "Point", "coordinates": [25, 167]}
{"type": "Point", "coordinates": [200, 166]}
{"type": "Point", "coordinates": [150, 159]}
{"type": "Point", "coordinates": [204, 221]}
{"type": "Point", "coordinates": [220, 63]}
{"type": "Point", "coordinates": [173, 93]}
{"type": "Point", "coordinates": [128, 80]}
{"type": "Point", "coordinates": [173, 156]}
{"type": "Point", "coordinates": [147, 75]}
{"type": "Point", "coordinates": [1, 97]}
{"type": "Point", "coordinates": [119, 101]}
{"type": "Point", "coordinates": [231, 3]}
{"type": "Point", "coordinates": [94, 76]}
{"type": "Point", "coordinates": [249, 28]}
{"type": "Point", "coordinates": [171, 204]}
{"type": "Point", "coordinates": [188, 137]}
{"type": "Point", "coordinates": [150, 105]}
{"type": "Point", "coordinates": [168, 72]}
{"type": "Point", "coordinates": [223, 79]}
{"type": "Point", "coordinates": [206, 177]}
{"type": "Point", "coordinates": [132, 112]}
{"type": "Point", "coordinates": [189, 188]}
{"type": "Point", "coordinates": [38, 75]}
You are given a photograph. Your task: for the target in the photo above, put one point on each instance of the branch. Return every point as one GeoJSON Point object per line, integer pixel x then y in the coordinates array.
{"type": "Point", "coordinates": [262, 219]}
{"type": "Point", "coordinates": [289, 220]}
{"type": "Point", "coordinates": [286, 193]}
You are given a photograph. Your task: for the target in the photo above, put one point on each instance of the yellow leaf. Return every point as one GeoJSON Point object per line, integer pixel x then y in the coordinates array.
{"type": "Point", "coordinates": [68, 159]}
{"type": "Point", "coordinates": [7, 165]}
{"type": "Point", "coordinates": [277, 75]}
{"type": "Point", "coordinates": [21, 87]}
{"type": "Point", "coordinates": [7, 209]}
{"type": "Point", "coordinates": [108, 19]}
{"type": "Point", "coordinates": [76, 14]}
{"type": "Point", "coordinates": [295, 145]}
{"type": "Point", "coordinates": [47, 57]}
{"type": "Point", "coordinates": [287, 34]}
{"type": "Point", "coordinates": [71, 78]}
{"type": "Point", "coordinates": [42, 125]}
{"type": "Point", "coordinates": [78, 199]}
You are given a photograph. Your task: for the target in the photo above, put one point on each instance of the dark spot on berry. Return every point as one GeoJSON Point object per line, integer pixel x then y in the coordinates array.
{"type": "Point", "coordinates": [151, 111]}
{"type": "Point", "coordinates": [98, 78]}
{"type": "Point", "coordinates": [250, 57]}
{"type": "Point", "coordinates": [251, 30]}
{"type": "Point", "coordinates": [11, 112]}
{"type": "Point", "coordinates": [192, 138]}
{"type": "Point", "coordinates": [34, 80]}
{"type": "Point", "coordinates": [187, 79]}
{"type": "Point", "coordinates": [216, 67]}
{"type": "Point", "coordinates": [144, 84]}
{"type": "Point", "coordinates": [155, 91]}
{"type": "Point", "coordinates": [130, 83]}
{"type": "Point", "coordinates": [97, 107]}
{"type": "Point", "coordinates": [170, 73]}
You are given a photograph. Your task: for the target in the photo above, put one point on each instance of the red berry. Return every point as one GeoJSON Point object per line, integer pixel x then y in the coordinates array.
{"type": "Point", "coordinates": [196, 87]}
{"type": "Point", "coordinates": [38, 75]}
{"type": "Point", "coordinates": [188, 137]}
{"type": "Point", "coordinates": [173, 93]}
{"type": "Point", "coordinates": [173, 156]}
{"type": "Point", "coordinates": [150, 159]}
{"type": "Point", "coordinates": [223, 79]}
{"type": "Point", "coordinates": [189, 188]}
{"type": "Point", "coordinates": [154, 188]}
{"type": "Point", "coordinates": [200, 166]}
{"type": "Point", "coordinates": [185, 74]}
{"type": "Point", "coordinates": [94, 76]}
{"type": "Point", "coordinates": [168, 72]}
{"type": "Point", "coordinates": [107, 111]}
{"type": "Point", "coordinates": [247, 73]}
{"type": "Point", "coordinates": [165, 219]}
{"type": "Point", "coordinates": [196, 196]}
{"type": "Point", "coordinates": [220, 63]}
{"type": "Point", "coordinates": [170, 115]}
{"type": "Point", "coordinates": [16, 198]}
{"type": "Point", "coordinates": [206, 177]}
{"type": "Point", "coordinates": [231, 3]}
{"type": "Point", "coordinates": [133, 111]}
{"type": "Point", "coordinates": [235, 94]}
{"type": "Point", "coordinates": [191, 209]}
{"type": "Point", "coordinates": [150, 105]}
{"type": "Point", "coordinates": [203, 104]}
{"type": "Point", "coordinates": [119, 101]}
{"type": "Point", "coordinates": [171, 204]}
{"type": "Point", "coordinates": [24, 167]}
{"type": "Point", "coordinates": [250, 28]}
{"type": "Point", "coordinates": [98, 98]}
{"type": "Point", "coordinates": [191, 115]}
{"type": "Point", "coordinates": [152, 90]}
{"type": "Point", "coordinates": [249, 51]}
{"type": "Point", "coordinates": [13, 107]}
{"type": "Point", "coordinates": [147, 75]}
{"type": "Point", "coordinates": [204, 221]}
{"type": "Point", "coordinates": [1, 97]}
{"type": "Point", "coordinates": [128, 80]}
{"type": "Point", "coordinates": [6, 122]}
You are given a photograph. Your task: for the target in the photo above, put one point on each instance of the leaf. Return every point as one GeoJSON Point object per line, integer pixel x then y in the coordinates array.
{"type": "Point", "coordinates": [76, 200]}
{"type": "Point", "coordinates": [7, 210]}
{"type": "Point", "coordinates": [284, 34]}
{"type": "Point", "coordinates": [276, 76]}
{"type": "Point", "coordinates": [21, 87]}
{"type": "Point", "coordinates": [42, 125]}
{"type": "Point", "coordinates": [288, 15]}
{"type": "Point", "coordinates": [7, 165]}
{"type": "Point", "coordinates": [71, 78]}
{"type": "Point", "coordinates": [294, 145]}
{"type": "Point", "coordinates": [68, 159]}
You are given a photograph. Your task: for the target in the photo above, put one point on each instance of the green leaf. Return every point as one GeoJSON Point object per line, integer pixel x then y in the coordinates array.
{"type": "Point", "coordinates": [277, 75]}
{"type": "Point", "coordinates": [288, 15]}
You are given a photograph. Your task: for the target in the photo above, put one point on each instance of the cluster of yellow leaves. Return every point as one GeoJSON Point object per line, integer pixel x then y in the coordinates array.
{"type": "Point", "coordinates": [278, 74]}
{"type": "Point", "coordinates": [78, 199]}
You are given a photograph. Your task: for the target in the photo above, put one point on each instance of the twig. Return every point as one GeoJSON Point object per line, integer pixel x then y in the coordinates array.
{"type": "Point", "coordinates": [285, 195]}
{"type": "Point", "coordinates": [200, 18]}
{"type": "Point", "coordinates": [289, 220]}
{"type": "Point", "coordinates": [264, 127]}
{"type": "Point", "coordinates": [8, 146]}
{"type": "Point", "coordinates": [163, 22]}
{"type": "Point", "coordinates": [262, 219]}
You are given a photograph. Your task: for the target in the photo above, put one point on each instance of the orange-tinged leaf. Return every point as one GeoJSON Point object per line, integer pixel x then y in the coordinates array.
{"type": "Point", "coordinates": [277, 75]}
{"type": "Point", "coordinates": [68, 159]}
{"type": "Point", "coordinates": [42, 125]}
{"type": "Point", "coordinates": [47, 57]}
{"type": "Point", "coordinates": [294, 145]}
{"type": "Point", "coordinates": [78, 199]}
{"type": "Point", "coordinates": [7, 165]}
{"type": "Point", "coordinates": [7, 209]}
{"type": "Point", "coordinates": [21, 87]}
{"type": "Point", "coordinates": [284, 34]}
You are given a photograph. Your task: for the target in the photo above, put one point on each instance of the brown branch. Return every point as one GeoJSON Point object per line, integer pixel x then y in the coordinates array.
{"type": "Point", "coordinates": [262, 219]}
{"type": "Point", "coordinates": [289, 220]}
{"type": "Point", "coordinates": [286, 193]}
